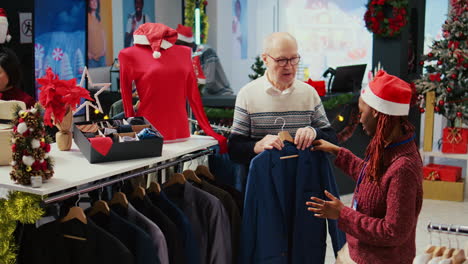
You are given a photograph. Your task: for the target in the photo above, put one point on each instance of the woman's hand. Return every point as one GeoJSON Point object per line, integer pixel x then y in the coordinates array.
{"type": "Point", "coordinates": [326, 146]}
{"type": "Point", "coordinates": [326, 209]}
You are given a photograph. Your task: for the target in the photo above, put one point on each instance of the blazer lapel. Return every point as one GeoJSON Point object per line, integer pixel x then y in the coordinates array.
{"type": "Point", "coordinates": [277, 176]}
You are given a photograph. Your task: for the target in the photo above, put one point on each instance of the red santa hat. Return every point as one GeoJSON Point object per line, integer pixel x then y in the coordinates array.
{"type": "Point", "coordinates": [4, 36]}
{"type": "Point", "coordinates": [156, 35]}
{"type": "Point", "coordinates": [388, 94]}
{"type": "Point", "coordinates": [185, 33]}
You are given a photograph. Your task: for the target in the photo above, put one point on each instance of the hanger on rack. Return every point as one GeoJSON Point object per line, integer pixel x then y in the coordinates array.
{"type": "Point", "coordinates": [285, 136]}
{"type": "Point", "coordinates": [139, 192]}
{"type": "Point", "coordinates": [439, 251]}
{"type": "Point", "coordinates": [176, 178]}
{"type": "Point", "coordinates": [154, 188]}
{"type": "Point", "coordinates": [191, 175]}
{"type": "Point", "coordinates": [430, 248]}
{"type": "Point", "coordinates": [100, 206]}
{"type": "Point", "coordinates": [448, 252]}
{"type": "Point", "coordinates": [458, 256]}
{"type": "Point", "coordinates": [75, 212]}
{"type": "Point", "coordinates": [119, 198]}
{"type": "Point", "coordinates": [204, 171]}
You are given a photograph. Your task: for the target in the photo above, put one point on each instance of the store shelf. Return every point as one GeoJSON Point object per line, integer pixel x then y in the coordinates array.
{"type": "Point", "coordinates": [72, 169]}
{"type": "Point", "coordinates": [444, 155]}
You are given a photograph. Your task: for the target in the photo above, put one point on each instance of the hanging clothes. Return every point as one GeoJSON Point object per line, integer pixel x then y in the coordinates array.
{"type": "Point", "coordinates": [169, 229]}
{"type": "Point", "coordinates": [48, 245]}
{"type": "Point", "coordinates": [164, 85]}
{"type": "Point", "coordinates": [133, 237]}
{"type": "Point", "coordinates": [276, 226]}
{"type": "Point", "coordinates": [191, 248]}
{"type": "Point", "coordinates": [231, 210]}
{"type": "Point", "coordinates": [157, 238]}
{"type": "Point", "coordinates": [209, 221]}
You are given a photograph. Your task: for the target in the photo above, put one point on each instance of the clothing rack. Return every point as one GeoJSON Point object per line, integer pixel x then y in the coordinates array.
{"type": "Point", "coordinates": [216, 127]}
{"type": "Point", "coordinates": [448, 229]}
{"type": "Point", "coordinates": [123, 177]}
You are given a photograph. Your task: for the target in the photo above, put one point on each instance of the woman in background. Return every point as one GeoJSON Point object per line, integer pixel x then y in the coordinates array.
{"type": "Point", "coordinates": [10, 78]}
{"type": "Point", "coordinates": [96, 36]}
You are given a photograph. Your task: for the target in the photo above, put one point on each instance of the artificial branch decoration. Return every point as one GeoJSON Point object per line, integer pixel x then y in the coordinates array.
{"type": "Point", "coordinates": [30, 147]}
{"type": "Point", "coordinates": [446, 68]}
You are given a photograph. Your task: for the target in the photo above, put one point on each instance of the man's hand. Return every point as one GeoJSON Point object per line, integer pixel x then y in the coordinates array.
{"type": "Point", "coordinates": [268, 142]}
{"type": "Point", "coordinates": [326, 209]}
{"type": "Point", "coordinates": [304, 137]}
{"type": "Point", "coordinates": [326, 146]}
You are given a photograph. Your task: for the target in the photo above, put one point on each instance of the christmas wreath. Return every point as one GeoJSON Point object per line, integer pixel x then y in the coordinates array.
{"type": "Point", "coordinates": [386, 18]}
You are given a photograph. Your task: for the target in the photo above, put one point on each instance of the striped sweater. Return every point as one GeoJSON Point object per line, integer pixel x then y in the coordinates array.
{"type": "Point", "coordinates": [259, 105]}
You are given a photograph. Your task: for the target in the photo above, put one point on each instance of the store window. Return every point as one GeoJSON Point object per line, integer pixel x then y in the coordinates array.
{"type": "Point", "coordinates": [330, 33]}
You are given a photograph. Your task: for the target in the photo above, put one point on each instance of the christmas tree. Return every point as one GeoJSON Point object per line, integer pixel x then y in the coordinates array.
{"type": "Point", "coordinates": [258, 68]}
{"type": "Point", "coordinates": [446, 67]}
{"type": "Point", "coordinates": [66, 72]}
{"type": "Point", "coordinates": [30, 147]}
{"type": "Point", "coordinates": [79, 63]}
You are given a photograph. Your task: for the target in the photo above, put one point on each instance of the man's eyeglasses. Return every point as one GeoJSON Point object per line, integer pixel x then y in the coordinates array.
{"type": "Point", "coordinates": [283, 62]}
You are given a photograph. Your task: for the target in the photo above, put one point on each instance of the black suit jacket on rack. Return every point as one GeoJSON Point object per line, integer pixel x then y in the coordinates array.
{"type": "Point", "coordinates": [169, 229]}
{"type": "Point", "coordinates": [51, 247]}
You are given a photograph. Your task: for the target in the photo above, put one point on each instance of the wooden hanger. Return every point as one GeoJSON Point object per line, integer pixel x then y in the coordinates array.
{"type": "Point", "coordinates": [99, 206]}
{"type": "Point", "coordinates": [458, 256]}
{"type": "Point", "coordinates": [285, 136]}
{"type": "Point", "coordinates": [191, 175]}
{"type": "Point", "coordinates": [139, 192]}
{"type": "Point", "coordinates": [176, 178]}
{"type": "Point", "coordinates": [75, 212]}
{"type": "Point", "coordinates": [154, 188]}
{"type": "Point", "coordinates": [119, 198]}
{"type": "Point", "coordinates": [430, 249]}
{"type": "Point", "coordinates": [204, 171]}
{"type": "Point", "coordinates": [448, 252]}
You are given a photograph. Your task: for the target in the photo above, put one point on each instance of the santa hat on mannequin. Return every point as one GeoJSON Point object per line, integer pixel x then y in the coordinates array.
{"type": "Point", "coordinates": [185, 33]}
{"type": "Point", "coordinates": [388, 94]}
{"type": "Point", "coordinates": [4, 36]}
{"type": "Point", "coordinates": [156, 35]}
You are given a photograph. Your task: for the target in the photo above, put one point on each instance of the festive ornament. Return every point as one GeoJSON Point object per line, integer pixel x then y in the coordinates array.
{"type": "Point", "coordinates": [453, 76]}
{"type": "Point", "coordinates": [421, 63]}
{"type": "Point", "coordinates": [28, 160]}
{"type": "Point", "coordinates": [449, 89]}
{"type": "Point", "coordinates": [22, 128]}
{"type": "Point", "coordinates": [441, 102]}
{"type": "Point", "coordinates": [421, 110]}
{"type": "Point", "coordinates": [35, 143]}
{"type": "Point", "coordinates": [437, 109]}
{"type": "Point", "coordinates": [430, 54]}
{"type": "Point", "coordinates": [439, 62]}
{"type": "Point", "coordinates": [28, 168]}
{"type": "Point", "coordinates": [459, 114]}
{"type": "Point", "coordinates": [386, 26]}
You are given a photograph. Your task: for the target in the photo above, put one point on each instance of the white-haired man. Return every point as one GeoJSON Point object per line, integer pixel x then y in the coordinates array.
{"type": "Point", "coordinates": [277, 96]}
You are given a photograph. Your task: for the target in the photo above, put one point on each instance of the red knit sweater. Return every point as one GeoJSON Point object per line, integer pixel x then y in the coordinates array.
{"type": "Point", "coordinates": [383, 229]}
{"type": "Point", "coordinates": [164, 85]}
{"type": "Point", "coordinates": [18, 95]}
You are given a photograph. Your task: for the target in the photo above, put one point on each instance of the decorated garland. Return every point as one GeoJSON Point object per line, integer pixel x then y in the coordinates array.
{"type": "Point", "coordinates": [30, 146]}
{"type": "Point", "coordinates": [20, 207]}
{"type": "Point", "coordinates": [190, 18]}
{"type": "Point", "coordinates": [386, 26]}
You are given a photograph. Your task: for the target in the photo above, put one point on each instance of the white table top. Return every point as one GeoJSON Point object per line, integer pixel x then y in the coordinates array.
{"type": "Point", "coordinates": [73, 169]}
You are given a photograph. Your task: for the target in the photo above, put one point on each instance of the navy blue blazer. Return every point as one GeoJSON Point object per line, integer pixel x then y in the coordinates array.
{"type": "Point", "coordinates": [276, 226]}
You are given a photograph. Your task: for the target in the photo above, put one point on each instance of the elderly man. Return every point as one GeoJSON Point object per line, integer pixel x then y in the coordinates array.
{"type": "Point", "coordinates": [275, 102]}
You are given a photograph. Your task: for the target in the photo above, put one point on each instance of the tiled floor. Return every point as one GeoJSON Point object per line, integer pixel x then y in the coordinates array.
{"type": "Point", "coordinates": [438, 212]}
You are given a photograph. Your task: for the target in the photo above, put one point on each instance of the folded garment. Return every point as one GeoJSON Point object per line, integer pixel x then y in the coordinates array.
{"type": "Point", "coordinates": [124, 128]}
{"type": "Point", "coordinates": [148, 133]}
{"type": "Point", "coordinates": [92, 128]}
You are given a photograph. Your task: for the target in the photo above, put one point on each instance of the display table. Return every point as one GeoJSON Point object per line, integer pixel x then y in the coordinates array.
{"type": "Point", "coordinates": [72, 169]}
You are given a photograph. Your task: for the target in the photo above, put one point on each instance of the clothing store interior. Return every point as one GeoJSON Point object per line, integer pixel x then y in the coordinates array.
{"type": "Point", "coordinates": [233, 131]}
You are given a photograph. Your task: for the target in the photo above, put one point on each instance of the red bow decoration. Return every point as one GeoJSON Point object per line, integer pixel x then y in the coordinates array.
{"type": "Point", "coordinates": [454, 136]}
{"type": "Point", "coordinates": [318, 85]}
{"type": "Point", "coordinates": [59, 96]}
{"type": "Point", "coordinates": [433, 176]}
